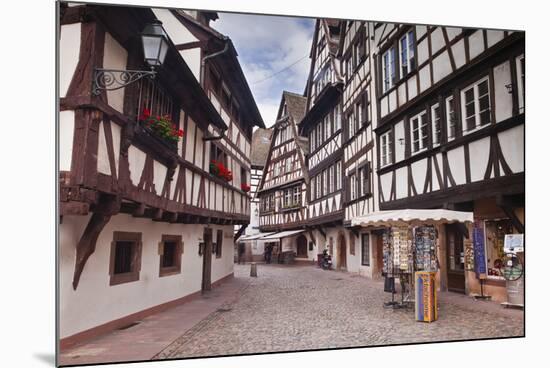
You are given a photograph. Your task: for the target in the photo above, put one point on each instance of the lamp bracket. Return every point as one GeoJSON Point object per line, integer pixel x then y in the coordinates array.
{"type": "Point", "coordinates": [113, 79]}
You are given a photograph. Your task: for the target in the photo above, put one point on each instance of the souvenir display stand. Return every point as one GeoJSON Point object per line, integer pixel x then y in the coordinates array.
{"type": "Point", "coordinates": [407, 249]}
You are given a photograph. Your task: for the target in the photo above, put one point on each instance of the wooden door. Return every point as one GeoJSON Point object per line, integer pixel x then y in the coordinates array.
{"type": "Point", "coordinates": [342, 250]}
{"type": "Point", "coordinates": [301, 247]}
{"type": "Point", "coordinates": [207, 261]}
{"type": "Point", "coordinates": [455, 259]}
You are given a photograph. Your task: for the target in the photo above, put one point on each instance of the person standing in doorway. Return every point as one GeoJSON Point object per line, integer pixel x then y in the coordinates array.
{"type": "Point", "coordinates": [240, 255]}
{"type": "Point", "coordinates": [267, 254]}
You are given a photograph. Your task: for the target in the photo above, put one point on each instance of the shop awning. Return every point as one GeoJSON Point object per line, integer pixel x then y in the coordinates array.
{"type": "Point", "coordinates": [412, 217]}
{"type": "Point", "coordinates": [253, 237]}
{"type": "Point", "coordinates": [282, 234]}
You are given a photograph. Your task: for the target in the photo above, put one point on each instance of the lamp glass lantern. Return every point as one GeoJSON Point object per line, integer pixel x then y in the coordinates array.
{"type": "Point", "coordinates": [155, 43]}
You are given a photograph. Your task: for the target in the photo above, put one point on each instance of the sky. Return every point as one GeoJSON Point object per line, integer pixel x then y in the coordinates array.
{"type": "Point", "coordinates": [267, 45]}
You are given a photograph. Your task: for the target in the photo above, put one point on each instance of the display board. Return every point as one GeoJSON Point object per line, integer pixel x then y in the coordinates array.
{"type": "Point", "coordinates": [480, 259]}
{"type": "Point", "coordinates": [425, 248]}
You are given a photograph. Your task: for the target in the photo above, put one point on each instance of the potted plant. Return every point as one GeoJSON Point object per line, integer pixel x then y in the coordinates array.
{"type": "Point", "coordinates": [218, 169]}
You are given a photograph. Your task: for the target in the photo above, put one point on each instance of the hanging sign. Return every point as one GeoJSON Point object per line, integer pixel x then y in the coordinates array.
{"type": "Point", "coordinates": [480, 259]}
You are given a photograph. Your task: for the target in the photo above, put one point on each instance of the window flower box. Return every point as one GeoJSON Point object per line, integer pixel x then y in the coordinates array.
{"type": "Point", "coordinates": [160, 127]}
{"type": "Point", "coordinates": [245, 187]}
{"type": "Point", "coordinates": [220, 171]}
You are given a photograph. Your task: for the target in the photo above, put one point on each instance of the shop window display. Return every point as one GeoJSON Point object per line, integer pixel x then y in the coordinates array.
{"type": "Point", "coordinates": [495, 231]}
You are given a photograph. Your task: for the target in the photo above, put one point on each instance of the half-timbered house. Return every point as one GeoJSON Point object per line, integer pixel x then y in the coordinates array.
{"type": "Point", "coordinates": [146, 223]}
{"type": "Point", "coordinates": [450, 134]}
{"type": "Point", "coordinates": [283, 188]}
{"type": "Point", "coordinates": [322, 124]}
{"type": "Point", "coordinates": [359, 155]}
{"type": "Point", "coordinates": [254, 249]}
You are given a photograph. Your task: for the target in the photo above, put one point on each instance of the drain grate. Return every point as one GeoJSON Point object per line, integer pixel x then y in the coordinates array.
{"type": "Point", "coordinates": [224, 309]}
{"type": "Point", "coordinates": [129, 326]}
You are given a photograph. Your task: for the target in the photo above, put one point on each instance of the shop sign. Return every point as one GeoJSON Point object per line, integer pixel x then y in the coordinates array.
{"type": "Point", "coordinates": [513, 243]}
{"type": "Point", "coordinates": [480, 259]}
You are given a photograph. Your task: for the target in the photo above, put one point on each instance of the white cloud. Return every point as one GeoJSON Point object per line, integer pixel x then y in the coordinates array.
{"type": "Point", "coordinates": [267, 45]}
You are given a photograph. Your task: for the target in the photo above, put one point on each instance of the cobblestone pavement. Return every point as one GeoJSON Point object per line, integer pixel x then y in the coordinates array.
{"type": "Point", "coordinates": [303, 307]}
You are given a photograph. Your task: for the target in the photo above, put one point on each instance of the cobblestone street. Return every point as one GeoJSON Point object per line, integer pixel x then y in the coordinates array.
{"type": "Point", "coordinates": [303, 307]}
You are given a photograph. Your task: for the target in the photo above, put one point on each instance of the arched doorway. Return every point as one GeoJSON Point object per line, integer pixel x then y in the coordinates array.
{"type": "Point", "coordinates": [301, 246]}
{"type": "Point", "coordinates": [342, 253]}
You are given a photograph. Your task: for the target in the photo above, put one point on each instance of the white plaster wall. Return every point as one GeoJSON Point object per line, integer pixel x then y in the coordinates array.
{"type": "Point", "coordinates": [459, 53]}
{"type": "Point", "coordinates": [66, 133]}
{"type": "Point", "coordinates": [176, 31]}
{"type": "Point", "coordinates": [401, 183]}
{"type": "Point", "coordinates": [423, 52]}
{"type": "Point", "coordinates": [475, 41]}
{"type": "Point", "coordinates": [95, 302]}
{"type": "Point", "coordinates": [503, 99]}
{"type": "Point", "coordinates": [419, 169]}
{"type": "Point", "coordinates": [442, 66]}
{"type": "Point", "coordinates": [456, 164]}
{"type": "Point", "coordinates": [116, 132]}
{"type": "Point", "coordinates": [353, 262]}
{"type": "Point", "coordinates": [115, 57]}
{"type": "Point", "coordinates": [424, 75]}
{"type": "Point", "coordinates": [435, 183]}
{"type": "Point", "coordinates": [511, 143]}
{"type": "Point", "coordinates": [412, 88]}
{"type": "Point", "coordinates": [159, 175]}
{"type": "Point", "coordinates": [437, 40]}
{"type": "Point", "coordinates": [393, 100]}
{"type": "Point", "coordinates": [399, 148]}
{"type": "Point", "coordinates": [102, 153]}
{"type": "Point", "coordinates": [479, 156]}
{"type": "Point", "coordinates": [69, 50]}
{"type": "Point", "coordinates": [174, 180]}
{"type": "Point", "coordinates": [402, 93]}
{"type": "Point", "coordinates": [452, 32]}
{"type": "Point", "coordinates": [192, 58]}
{"type": "Point", "coordinates": [385, 181]}
{"type": "Point", "coordinates": [420, 31]}
{"type": "Point", "coordinates": [188, 181]}
{"type": "Point", "coordinates": [384, 106]}
{"type": "Point", "coordinates": [136, 159]}
{"type": "Point", "coordinates": [222, 266]}
{"type": "Point", "coordinates": [493, 37]}
{"type": "Point", "coordinates": [190, 135]}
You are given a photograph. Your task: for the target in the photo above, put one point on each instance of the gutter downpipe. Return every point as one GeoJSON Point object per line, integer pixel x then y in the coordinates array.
{"type": "Point", "coordinates": [203, 64]}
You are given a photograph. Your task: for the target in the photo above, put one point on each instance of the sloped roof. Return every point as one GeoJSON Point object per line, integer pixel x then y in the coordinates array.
{"type": "Point", "coordinates": [296, 105]}
{"type": "Point", "coordinates": [261, 139]}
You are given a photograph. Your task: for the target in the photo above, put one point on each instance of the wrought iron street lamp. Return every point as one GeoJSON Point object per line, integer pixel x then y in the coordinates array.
{"type": "Point", "coordinates": [155, 46]}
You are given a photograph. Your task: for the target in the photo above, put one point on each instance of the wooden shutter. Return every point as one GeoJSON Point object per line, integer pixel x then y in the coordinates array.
{"type": "Point", "coordinates": [219, 243]}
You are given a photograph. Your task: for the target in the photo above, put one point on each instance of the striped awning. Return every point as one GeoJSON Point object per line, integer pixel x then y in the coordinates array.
{"type": "Point", "coordinates": [282, 234]}
{"type": "Point", "coordinates": [253, 237]}
{"type": "Point", "coordinates": [412, 217]}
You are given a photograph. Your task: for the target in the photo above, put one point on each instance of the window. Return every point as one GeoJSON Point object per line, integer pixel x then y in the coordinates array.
{"type": "Point", "coordinates": [359, 115]}
{"type": "Point", "coordinates": [338, 174]}
{"type": "Point", "coordinates": [297, 196]}
{"type": "Point", "coordinates": [217, 154]}
{"type": "Point", "coordinates": [319, 134]}
{"type": "Point", "coordinates": [287, 199]}
{"type": "Point", "coordinates": [406, 53]}
{"type": "Point", "coordinates": [327, 126]}
{"type": "Point", "coordinates": [219, 243]}
{"type": "Point", "coordinates": [385, 149]}
{"type": "Point", "coordinates": [125, 260]}
{"type": "Point", "coordinates": [419, 132]}
{"type": "Point", "coordinates": [436, 125]}
{"type": "Point", "coordinates": [243, 176]}
{"type": "Point", "coordinates": [338, 117]}
{"type": "Point", "coordinates": [476, 105]}
{"type": "Point", "coordinates": [353, 186]}
{"type": "Point", "coordinates": [318, 182]}
{"type": "Point", "coordinates": [451, 118]}
{"type": "Point", "coordinates": [288, 164]}
{"type": "Point", "coordinates": [364, 176]}
{"type": "Point", "coordinates": [170, 250]}
{"type": "Point", "coordinates": [331, 179]}
{"type": "Point", "coordinates": [365, 249]}
{"type": "Point", "coordinates": [520, 67]}
{"type": "Point", "coordinates": [349, 67]}
{"type": "Point", "coordinates": [325, 182]}
{"type": "Point", "coordinates": [388, 69]}
{"type": "Point", "coordinates": [312, 189]}
{"type": "Point", "coordinates": [351, 124]}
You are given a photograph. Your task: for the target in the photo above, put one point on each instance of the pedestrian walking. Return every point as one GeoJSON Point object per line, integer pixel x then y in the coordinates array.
{"type": "Point", "coordinates": [267, 253]}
